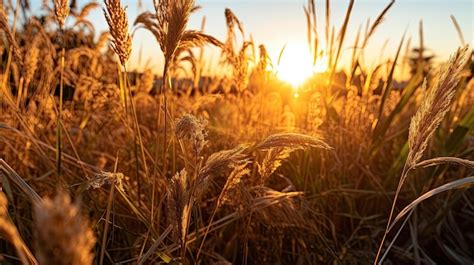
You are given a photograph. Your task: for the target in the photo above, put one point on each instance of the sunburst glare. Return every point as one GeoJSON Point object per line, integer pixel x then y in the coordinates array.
{"type": "Point", "coordinates": [296, 65]}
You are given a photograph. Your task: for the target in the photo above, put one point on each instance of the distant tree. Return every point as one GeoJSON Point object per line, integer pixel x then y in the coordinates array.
{"type": "Point", "coordinates": [421, 57]}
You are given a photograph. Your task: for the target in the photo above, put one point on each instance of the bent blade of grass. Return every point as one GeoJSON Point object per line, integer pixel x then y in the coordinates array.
{"type": "Point", "coordinates": [292, 140]}
{"type": "Point", "coordinates": [15, 178]}
{"type": "Point", "coordinates": [444, 160]}
{"type": "Point", "coordinates": [341, 37]}
{"type": "Point", "coordinates": [155, 245]}
{"type": "Point", "coordinates": [456, 184]}
{"type": "Point", "coordinates": [377, 23]}
{"type": "Point", "coordinates": [388, 84]}
{"type": "Point", "coordinates": [458, 29]}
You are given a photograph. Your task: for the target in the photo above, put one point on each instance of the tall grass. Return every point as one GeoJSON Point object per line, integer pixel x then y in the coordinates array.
{"type": "Point", "coordinates": [231, 168]}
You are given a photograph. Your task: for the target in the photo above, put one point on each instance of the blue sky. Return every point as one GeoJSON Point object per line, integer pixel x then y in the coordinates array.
{"type": "Point", "coordinates": [279, 22]}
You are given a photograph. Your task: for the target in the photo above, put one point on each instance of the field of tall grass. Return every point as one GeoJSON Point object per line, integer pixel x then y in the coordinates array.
{"type": "Point", "coordinates": [103, 165]}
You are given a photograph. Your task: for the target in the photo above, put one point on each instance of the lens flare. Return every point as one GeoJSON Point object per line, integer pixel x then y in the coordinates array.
{"type": "Point", "coordinates": [296, 65]}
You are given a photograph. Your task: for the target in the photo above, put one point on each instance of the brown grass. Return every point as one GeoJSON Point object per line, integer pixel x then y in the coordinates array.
{"type": "Point", "coordinates": [249, 173]}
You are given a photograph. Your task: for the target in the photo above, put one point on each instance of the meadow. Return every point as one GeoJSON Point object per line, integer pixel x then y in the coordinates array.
{"type": "Point", "coordinates": [103, 165]}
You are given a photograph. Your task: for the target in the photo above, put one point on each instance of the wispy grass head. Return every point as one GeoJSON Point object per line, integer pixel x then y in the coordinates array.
{"type": "Point", "coordinates": [435, 105]}
{"type": "Point", "coordinates": [193, 129]}
{"type": "Point", "coordinates": [168, 25]}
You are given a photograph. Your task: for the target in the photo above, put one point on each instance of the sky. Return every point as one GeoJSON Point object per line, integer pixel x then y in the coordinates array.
{"type": "Point", "coordinates": [276, 23]}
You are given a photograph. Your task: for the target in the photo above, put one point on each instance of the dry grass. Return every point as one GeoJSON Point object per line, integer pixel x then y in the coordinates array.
{"type": "Point", "coordinates": [231, 168]}
{"type": "Point", "coordinates": [436, 104]}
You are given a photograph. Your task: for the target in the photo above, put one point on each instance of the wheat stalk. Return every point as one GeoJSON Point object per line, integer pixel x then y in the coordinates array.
{"type": "Point", "coordinates": [168, 25]}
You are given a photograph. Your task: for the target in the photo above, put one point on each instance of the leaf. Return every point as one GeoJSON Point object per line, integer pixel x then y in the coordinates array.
{"type": "Point", "coordinates": [457, 137]}
{"type": "Point", "coordinates": [400, 161]}
{"type": "Point", "coordinates": [388, 84]}
{"type": "Point", "coordinates": [383, 125]}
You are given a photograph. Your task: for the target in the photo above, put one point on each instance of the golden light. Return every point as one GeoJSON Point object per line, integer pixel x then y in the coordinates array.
{"type": "Point", "coordinates": [296, 65]}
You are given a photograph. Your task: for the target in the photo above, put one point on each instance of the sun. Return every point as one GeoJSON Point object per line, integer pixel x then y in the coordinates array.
{"type": "Point", "coordinates": [296, 65]}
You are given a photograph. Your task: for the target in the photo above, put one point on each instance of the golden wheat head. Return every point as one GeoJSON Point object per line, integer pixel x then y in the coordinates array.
{"type": "Point", "coordinates": [61, 10]}
{"type": "Point", "coordinates": [118, 26]}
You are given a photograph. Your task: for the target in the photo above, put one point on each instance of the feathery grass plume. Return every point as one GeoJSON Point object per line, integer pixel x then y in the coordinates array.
{"type": "Point", "coordinates": [435, 105]}
{"type": "Point", "coordinates": [278, 209]}
{"type": "Point", "coordinates": [232, 21]}
{"type": "Point", "coordinates": [107, 178]}
{"type": "Point", "coordinates": [272, 161]}
{"type": "Point", "coordinates": [168, 25]}
{"type": "Point", "coordinates": [291, 140]}
{"type": "Point", "coordinates": [237, 59]}
{"type": "Point", "coordinates": [118, 26]}
{"type": "Point", "coordinates": [279, 147]}
{"type": "Point", "coordinates": [218, 162]}
{"type": "Point", "coordinates": [192, 128]}
{"type": "Point", "coordinates": [10, 37]}
{"type": "Point", "coordinates": [240, 170]}
{"type": "Point", "coordinates": [63, 236]}
{"type": "Point", "coordinates": [9, 232]}
{"type": "Point", "coordinates": [61, 10]}
{"type": "Point", "coordinates": [179, 206]}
